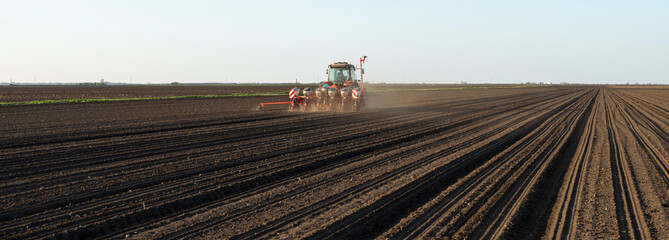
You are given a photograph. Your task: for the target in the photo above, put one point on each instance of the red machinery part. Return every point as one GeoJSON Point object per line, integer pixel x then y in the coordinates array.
{"type": "Point", "coordinates": [262, 105]}
{"type": "Point", "coordinates": [327, 89]}
{"type": "Point", "coordinates": [362, 85]}
{"type": "Point", "coordinates": [293, 93]}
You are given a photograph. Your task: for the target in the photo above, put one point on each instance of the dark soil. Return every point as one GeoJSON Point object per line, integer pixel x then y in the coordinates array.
{"type": "Point", "coordinates": [569, 162]}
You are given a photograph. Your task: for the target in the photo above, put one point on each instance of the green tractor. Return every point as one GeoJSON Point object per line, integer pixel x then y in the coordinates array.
{"type": "Point", "coordinates": [342, 90]}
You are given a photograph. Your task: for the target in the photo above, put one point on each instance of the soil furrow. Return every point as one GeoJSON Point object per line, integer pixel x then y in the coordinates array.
{"type": "Point", "coordinates": [564, 225]}
{"type": "Point", "coordinates": [544, 193]}
{"type": "Point", "coordinates": [207, 169]}
{"type": "Point", "coordinates": [388, 141]}
{"type": "Point", "coordinates": [633, 119]}
{"type": "Point", "coordinates": [379, 180]}
{"type": "Point", "coordinates": [630, 224]}
{"type": "Point", "coordinates": [393, 207]}
{"type": "Point", "coordinates": [512, 190]}
{"type": "Point", "coordinates": [552, 162]}
{"type": "Point", "coordinates": [444, 209]}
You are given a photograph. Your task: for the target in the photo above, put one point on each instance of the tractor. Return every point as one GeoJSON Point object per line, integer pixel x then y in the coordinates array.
{"type": "Point", "coordinates": [342, 90]}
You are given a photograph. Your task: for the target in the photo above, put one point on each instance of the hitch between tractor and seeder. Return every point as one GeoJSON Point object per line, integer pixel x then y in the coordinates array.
{"type": "Point", "coordinates": [341, 91]}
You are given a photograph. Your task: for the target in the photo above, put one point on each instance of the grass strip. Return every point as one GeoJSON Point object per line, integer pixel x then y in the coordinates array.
{"type": "Point", "coordinates": [39, 102]}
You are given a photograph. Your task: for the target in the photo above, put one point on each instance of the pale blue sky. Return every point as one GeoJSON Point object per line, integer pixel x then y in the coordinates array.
{"type": "Point", "coordinates": [278, 41]}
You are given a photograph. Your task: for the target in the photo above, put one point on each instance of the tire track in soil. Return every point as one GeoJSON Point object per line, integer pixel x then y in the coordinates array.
{"type": "Point", "coordinates": [634, 118]}
{"type": "Point", "coordinates": [630, 217]}
{"type": "Point", "coordinates": [465, 194]}
{"type": "Point", "coordinates": [378, 216]}
{"type": "Point", "coordinates": [518, 195]}
{"type": "Point", "coordinates": [534, 216]}
{"type": "Point", "coordinates": [569, 200]}
{"type": "Point", "coordinates": [470, 192]}
{"type": "Point", "coordinates": [658, 109]}
{"type": "Point", "coordinates": [650, 201]}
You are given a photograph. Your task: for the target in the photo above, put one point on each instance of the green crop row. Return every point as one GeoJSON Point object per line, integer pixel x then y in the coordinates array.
{"type": "Point", "coordinates": [141, 98]}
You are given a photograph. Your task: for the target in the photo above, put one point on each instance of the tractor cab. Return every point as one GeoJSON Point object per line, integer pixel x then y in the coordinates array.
{"type": "Point", "coordinates": [342, 74]}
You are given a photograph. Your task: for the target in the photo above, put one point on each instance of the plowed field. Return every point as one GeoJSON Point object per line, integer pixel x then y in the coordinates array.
{"type": "Point", "coordinates": [577, 162]}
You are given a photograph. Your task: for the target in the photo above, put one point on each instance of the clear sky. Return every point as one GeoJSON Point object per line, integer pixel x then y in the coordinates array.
{"type": "Point", "coordinates": [278, 41]}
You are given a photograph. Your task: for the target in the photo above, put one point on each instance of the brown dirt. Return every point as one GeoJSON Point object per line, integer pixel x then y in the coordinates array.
{"type": "Point", "coordinates": [61, 92]}
{"type": "Point", "coordinates": [554, 162]}
{"type": "Point", "coordinates": [34, 93]}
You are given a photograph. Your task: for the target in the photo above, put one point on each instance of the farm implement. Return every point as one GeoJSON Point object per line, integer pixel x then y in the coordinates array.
{"type": "Point", "coordinates": [341, 91]}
